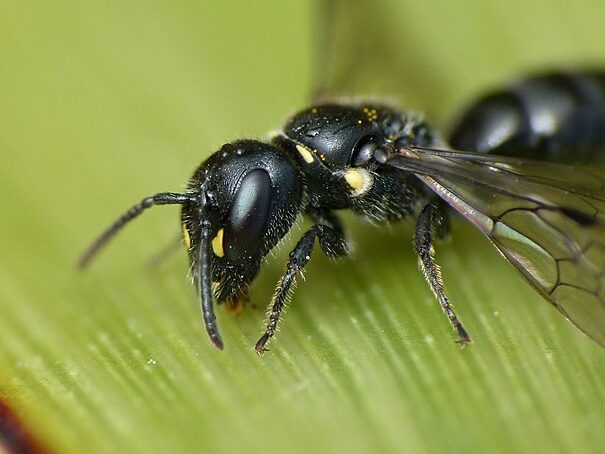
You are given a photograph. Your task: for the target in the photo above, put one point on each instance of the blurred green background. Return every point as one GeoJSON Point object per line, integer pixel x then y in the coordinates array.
{"type": "Point", "coordinates": [104, 102]}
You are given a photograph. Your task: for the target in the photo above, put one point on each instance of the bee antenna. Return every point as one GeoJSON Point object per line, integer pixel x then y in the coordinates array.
{"type": "Point", "coordinates": [163, 198]}
{"type": "Point", "coordinates": [202, 277]}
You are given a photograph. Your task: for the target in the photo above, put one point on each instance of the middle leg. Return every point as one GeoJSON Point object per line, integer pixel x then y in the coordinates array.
{"type": "Point", "coordinates": [433, 220]}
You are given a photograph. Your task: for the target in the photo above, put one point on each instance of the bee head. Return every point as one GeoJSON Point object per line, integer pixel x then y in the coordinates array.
{"type": "Point", "coordinates": [247, 195]}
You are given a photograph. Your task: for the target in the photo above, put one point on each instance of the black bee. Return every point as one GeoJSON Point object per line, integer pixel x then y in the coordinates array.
{"type": "Point", "coordinates": [511, 177]}
{"type": "Point", "coordinates": [545, 218]}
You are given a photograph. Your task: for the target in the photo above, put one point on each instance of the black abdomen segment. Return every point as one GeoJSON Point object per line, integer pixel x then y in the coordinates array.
{"type": "Point", "coordinates": [558, 117]}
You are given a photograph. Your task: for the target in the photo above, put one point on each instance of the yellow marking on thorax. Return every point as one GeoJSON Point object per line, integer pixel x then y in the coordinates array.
{"type": "Point", "coordinates": [305, 153]}
{"type": "Point", "coordinates": [360, 180]}
{"type": "Point", "coordinates": [217, 243]}
{"type": "Point", "coordinates": [354, 178]}
{"type": "Point", "coordinates": [371, 113]}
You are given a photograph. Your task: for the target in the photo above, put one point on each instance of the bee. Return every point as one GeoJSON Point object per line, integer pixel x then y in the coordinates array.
{"type": "Point", "coordinates": [506, 168]}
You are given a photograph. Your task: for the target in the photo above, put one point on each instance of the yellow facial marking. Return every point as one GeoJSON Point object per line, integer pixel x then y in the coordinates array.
{"type": "Point", "coordinates": [186, 237]}
{"type": "Point", "coordinates": [217, 244]}
{"type": "Point", "coordinates": [360, 181]}
{"type": "Point", "coordinates": [306, 154]}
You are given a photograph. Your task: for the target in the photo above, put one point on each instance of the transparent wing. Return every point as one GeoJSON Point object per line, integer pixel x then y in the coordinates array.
{"type": "Point", "coordinates": [436, 56]}
{"type": "Point", "coordinates": [548, 220]}
{"type": "Point", "coordinates": [367, 48]}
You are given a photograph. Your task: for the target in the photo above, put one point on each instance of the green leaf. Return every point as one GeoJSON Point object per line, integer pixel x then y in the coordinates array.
{"type": "Point", "coordinates": [102, 103]}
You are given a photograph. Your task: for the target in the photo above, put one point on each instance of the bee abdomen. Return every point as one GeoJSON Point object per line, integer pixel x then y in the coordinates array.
{"type": "Point", "coordinates": [556, 117]}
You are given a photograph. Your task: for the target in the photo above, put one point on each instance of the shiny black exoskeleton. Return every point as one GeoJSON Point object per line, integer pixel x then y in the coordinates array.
{"type": "Point", "coordinates": [244, 199]}
{"type": "Point", "coordinates": [249, 193]}
{"type": "Point", "coordinates": [556, 117]}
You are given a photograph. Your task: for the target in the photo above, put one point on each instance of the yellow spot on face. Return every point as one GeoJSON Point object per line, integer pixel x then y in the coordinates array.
{"type": "Point", "coordinates": [314, 110]}
{"type": "Point", "coordinates": [186, 237]}
{"type": "Point", "coordinates": [359, 122]}
{"type": "Point", "coordinates": [217, 243]}
{"type": "Point", "coordinates": [306, 154]}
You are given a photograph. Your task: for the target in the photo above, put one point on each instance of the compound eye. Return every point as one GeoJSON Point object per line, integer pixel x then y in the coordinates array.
{"type": "Point", "coordinates": [366, 150]}
{"type": "Point", "coordinates": [249, 215]}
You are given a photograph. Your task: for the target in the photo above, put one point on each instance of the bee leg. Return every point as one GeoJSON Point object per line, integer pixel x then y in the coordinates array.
{"type": "Point", "coordinates": [434, 219]}
{"type": "Point", "coordinates": [332, 243]}
{"type": "Point", "coordinates": [326, 217]}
